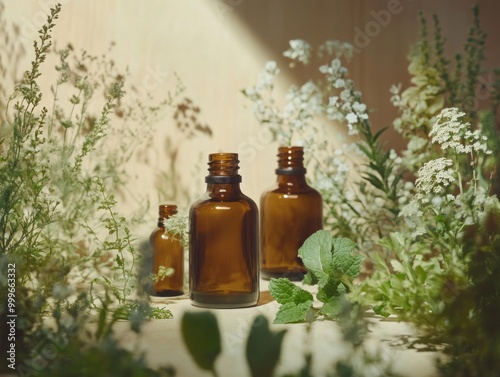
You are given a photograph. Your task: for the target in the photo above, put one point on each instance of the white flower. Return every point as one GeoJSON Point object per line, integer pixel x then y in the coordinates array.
{"type": "Point", "coordinates": [437, 201]}
{"type": "Point", "coordinates": [336, 48]}
{"type": "Point", "coordinates": [299, 50]}
{"type": "Point", "coordinates": [351, 118]}
{"type": "Point", "coordinates": [333, 101]}
{"type": "Point", "coordinates": [450, 131]}
{"type": "Point", "coordinates": [408, 185]}
{"type": "Point", "coordinates": [434, 176]}
{"type": "Point", "coordinates": [359, 107]}
{"type": "Point", "coordinates": [271, 67]}
{"type": "Point", "coordinates": [339, 83]}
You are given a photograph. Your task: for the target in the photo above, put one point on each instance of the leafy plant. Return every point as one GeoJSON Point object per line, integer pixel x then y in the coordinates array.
{"type": "Point", "coordinates": [419, 217]}
{"type": "Point", "coordinates": [73, 252]}
{"type": "Point", "coordinates": [332, 266]}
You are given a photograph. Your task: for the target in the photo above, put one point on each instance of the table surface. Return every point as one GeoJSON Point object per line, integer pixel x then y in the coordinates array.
{"type": "Point", "coordinates": [161, 341]}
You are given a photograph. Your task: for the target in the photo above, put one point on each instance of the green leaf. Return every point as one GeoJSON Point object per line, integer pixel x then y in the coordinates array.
{"type": "Point", "coordinates": [380, 132]}
{"type": "Point", "coordinates": [374, 180]}
{"type": "Point", "coordinates": [343, 245]}
{"type": "Point", "coordinates": [284, 291]}
{"type": "Point", "coordinates": [309, 279]}
{"type": "Point", "coordinates": [263, 348]}
{"type": "Point", "coordinates": [346, 264]}
{"type": "Point", "coordinates": [381, 310]}
{"type": "Point", "coordinates": [200, 332]}
{"type": "Point", "coordinates": [292, 312]}
{"type": "Point", "coordinates": [333, 307]}
{"type": "Point", "coordinates": [328, 290]}
{"type": "Point", "coordinates": [397, 266]}
{"type": "Point", "coordinates": [316, 253]}
{"type": "Point", "coordinates": [420, 275]}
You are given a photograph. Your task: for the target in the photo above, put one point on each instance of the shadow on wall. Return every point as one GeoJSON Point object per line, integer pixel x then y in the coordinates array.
{"type": "Point", "coordinates": [381, 31]}
{"type": "Point", "coordinates": [187, 120]}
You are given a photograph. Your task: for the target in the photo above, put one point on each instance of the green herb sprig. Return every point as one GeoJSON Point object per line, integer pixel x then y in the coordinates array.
{"type": "Point", "coordinates": [332, 265]}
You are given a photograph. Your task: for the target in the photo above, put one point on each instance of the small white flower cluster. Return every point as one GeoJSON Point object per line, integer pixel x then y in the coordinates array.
{"type": "Point", "coordinates": [178, 226]}
{"type": "Point", "coordinates": [299, 50]}
{"type": "Point", "coordinates": [261, 97]}
{"type": "Point", "coordinates": [302, 105]}
{"type": "Point", "coordinates": [347, 105]}
{"type": "Point", "coordinates": [451, 132]}
{"type": "Point", "coordinates": [434, 177]}
{"type": "Point", "coordinates": [331, 178]}
{"type": "Point", "coordinates": [265, 81]}
{"type": "Point", "coordinates": [336, 48]}
{"type": "Point", "coordinates": [419, 103]}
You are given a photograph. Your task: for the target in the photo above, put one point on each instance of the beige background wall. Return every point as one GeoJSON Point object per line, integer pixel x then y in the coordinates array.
{"type": "Point", "coordinates": [218, 47]}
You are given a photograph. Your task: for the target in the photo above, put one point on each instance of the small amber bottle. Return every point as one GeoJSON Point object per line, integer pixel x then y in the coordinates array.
{"type": "Point", "coordinates": [289, 214]}
{"type": "Point", "coordinates": [169, 253]}
{"type": "Point", "coordinates": [223, 250]}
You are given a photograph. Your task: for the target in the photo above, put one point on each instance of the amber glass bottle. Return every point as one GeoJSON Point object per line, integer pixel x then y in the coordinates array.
{"type": "Point", "coordinates": [289, 213]}
{"type": "Point", "coordinates": [168, 252]}
{"type": "Point", "coordinates": [223, 250]}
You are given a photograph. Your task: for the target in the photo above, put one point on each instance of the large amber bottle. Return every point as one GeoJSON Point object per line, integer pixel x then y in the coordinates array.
{"type": "Point", "coordinates": [223, 251]}
{"type": "Point", "coordinates": [289, 213]}
{"type": "Point", "coordinates": [168, 253]}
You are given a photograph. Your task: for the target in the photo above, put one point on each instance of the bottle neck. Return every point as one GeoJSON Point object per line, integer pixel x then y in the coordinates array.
{"type": "Point", "coordinates": [223, 191]}
{"type": "Point", "coordinates": [291, 180]}
{"type": "Point", "coordinates": [223, 178]}
{"type": "Point", "coordinates": [164, 212]}
{"type": "Point", "coordinates": [290, 161]}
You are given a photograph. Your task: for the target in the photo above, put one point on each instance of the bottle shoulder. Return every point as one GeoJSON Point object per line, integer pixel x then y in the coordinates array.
{"type": "Point", "coordinates": [292, 189]}
{"type": "Point", "coordinates": [161, 233]}
{"type": "Point", "coordinates": [212, 202]}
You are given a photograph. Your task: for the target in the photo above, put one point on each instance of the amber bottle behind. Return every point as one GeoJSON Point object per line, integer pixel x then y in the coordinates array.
{"type": "Point", "coordinates": [223, 251]}
{"type": "Point", "coordinates": [167, 252]}
{"type": "Point", "coordinates": [289, 214]}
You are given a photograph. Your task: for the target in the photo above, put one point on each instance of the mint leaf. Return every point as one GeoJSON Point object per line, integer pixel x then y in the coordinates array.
{"type": "Point", "coordinates": [330, 289]}
{"type": "Point", "coordinates": [316, 253]}
{"type": "Point", "coordinates": [263, 348]}
{"type": "Point", "coordinates": [346, 264]}
{"type": "Point", "coordinates": [333, 307]}
{"type": "Point", "coordinates": [343, 245]}
{"type": "Point", "coordinates": [292, 312]}
{"type": "Point", "coordinates": [341, 289]}
{"type": "Point", "coordinates": [296, 302]}
{"type": "Point", "coordinates": [331, 264]}
{"type": "Point", "coordinates": [284, 291]}
{"type": "Point", "coordinates": [309, 279]}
